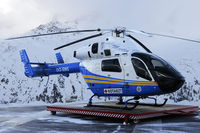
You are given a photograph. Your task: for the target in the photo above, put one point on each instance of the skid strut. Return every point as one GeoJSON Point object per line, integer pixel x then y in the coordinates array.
{"type": "Point", "coordinates": [101, 106]}
{"type": "Point", "coordinates": [135, 104]}
{"type": "Point", "coordinates": [120, 100]}
{"type": "Point", "coordinates": [90, 100]}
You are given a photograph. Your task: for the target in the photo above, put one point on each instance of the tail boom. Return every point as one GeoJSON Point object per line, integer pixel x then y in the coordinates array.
{"type": "Point", "coordinates": [46, 69]}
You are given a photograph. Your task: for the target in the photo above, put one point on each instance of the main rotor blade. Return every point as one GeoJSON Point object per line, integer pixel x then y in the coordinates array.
{"type": "Point", "coordinates": [138, 32]}
{"type": "Point", "coordinates": [142, 45]}
{"type": "Point", "coordinates": [80, 40]}
{"type": "Point", "coordinates": [169, 36]}
{"type": "Point", "coordinates": [75, 31]}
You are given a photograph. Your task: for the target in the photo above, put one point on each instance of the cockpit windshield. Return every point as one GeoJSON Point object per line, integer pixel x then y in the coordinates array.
{"type": "Point", "coordinates": [156, 63]}
{"type": "Point", "coordinates": [161, 66]}
{"type": "Point", "coordinates": [157, 66]}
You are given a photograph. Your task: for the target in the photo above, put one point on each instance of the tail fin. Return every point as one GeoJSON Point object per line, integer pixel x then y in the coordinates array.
{"type": "Point", "coordinates": [59, 58]}
{"type": "Point", "coordinates": [27, 66]}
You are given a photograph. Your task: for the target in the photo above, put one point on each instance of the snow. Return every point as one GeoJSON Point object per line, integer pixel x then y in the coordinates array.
{"type": "Point", "coordinates": [64, 119]}
{"type": "Point", "coordinates": [117, 130]}
{"type": "Point", "coordinates": [19, 119]}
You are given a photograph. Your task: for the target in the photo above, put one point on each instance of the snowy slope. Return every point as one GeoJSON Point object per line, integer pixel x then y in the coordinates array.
{"type": "Point", "coordinates": [16, 88]}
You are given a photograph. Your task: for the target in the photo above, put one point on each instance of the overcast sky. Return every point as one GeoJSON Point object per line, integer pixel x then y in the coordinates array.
{"type": "Point", "coordinates": [179, 17]}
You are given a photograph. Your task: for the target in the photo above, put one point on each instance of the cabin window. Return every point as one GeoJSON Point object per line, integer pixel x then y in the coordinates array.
{"type": "Point", "coordinates": [74, 53]}
{"type": "Point", "coordinates": [111, 65]}
{"type": "Point", "coordinates": [107, 52]}
{"type": "Point", "coordinates": [140, 69]}
{"type": "Point", "coordinates": [95, 48]}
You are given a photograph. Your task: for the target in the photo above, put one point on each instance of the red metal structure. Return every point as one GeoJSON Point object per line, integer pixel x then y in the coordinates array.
{"type": "Point", "coordinates": [139, 113]}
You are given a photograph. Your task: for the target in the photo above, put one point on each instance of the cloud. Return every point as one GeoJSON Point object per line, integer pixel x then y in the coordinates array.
{"type": "Point", "coordinates": [22, 16]}
{"type": "Point", "coordinates": [176, 17]}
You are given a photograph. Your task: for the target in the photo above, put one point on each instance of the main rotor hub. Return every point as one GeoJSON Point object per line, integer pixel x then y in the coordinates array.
{"type": "Point", "coordinates": [119, 30]}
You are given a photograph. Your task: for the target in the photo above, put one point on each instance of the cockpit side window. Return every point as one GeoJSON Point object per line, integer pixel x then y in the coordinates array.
{"type": "Point", "coordinates": [140, 69]}
{"type": "Point", "coordinates": [111, 65]}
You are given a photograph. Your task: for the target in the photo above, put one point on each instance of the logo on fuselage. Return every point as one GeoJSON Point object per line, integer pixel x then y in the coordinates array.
{"type": "Point", "coordinates": [139, 89]}
{"type": "Point", "coordinates": [113, 91]}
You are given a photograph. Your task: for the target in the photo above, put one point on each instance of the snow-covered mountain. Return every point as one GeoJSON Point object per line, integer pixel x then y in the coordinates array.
{"type": "Point", "coordinates": [15, 87]}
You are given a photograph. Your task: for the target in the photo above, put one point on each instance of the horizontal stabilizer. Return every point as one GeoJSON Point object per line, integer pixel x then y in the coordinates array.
{"type": "Point", "coordinates": [59, 58]}
{"type": "Point", "coordinates": [27, 66]}
{"type": "Point", "coordinates": [24, 57]}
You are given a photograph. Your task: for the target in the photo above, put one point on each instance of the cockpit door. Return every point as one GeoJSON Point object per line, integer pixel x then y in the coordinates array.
{"type": "Point", "coordinates": [129, 72]}
{"type": "Point", "coordinates": [136, 70]}
{"type": "Point", "coordinates": [141, 69]}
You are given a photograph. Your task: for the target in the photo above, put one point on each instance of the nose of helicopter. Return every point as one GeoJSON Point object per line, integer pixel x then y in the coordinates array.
{"type": "Point", "coordinates": [177, 83]}
{"type": "Point", "coordinates": [171, 84]}
{"type": "Point", "coordinates": [168, 78]}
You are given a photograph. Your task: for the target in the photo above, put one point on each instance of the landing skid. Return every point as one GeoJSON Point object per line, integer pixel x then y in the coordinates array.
{"type": "Point", "coordinates": [113, 107]}
{"type": "Point", "coordinates": [126, 103]}
{"type": "Point", "coordinates": [155, 104]}
{"type": "Point", "coordinates": [146, 104]}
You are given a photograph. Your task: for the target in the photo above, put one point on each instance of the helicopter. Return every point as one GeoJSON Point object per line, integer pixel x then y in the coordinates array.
{"type": "Point", "coordinates": [114, 66]}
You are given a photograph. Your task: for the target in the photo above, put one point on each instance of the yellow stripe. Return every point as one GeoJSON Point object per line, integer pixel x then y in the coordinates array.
{"type": "Point", "coordinates": [96, 81]}
{"type": "Point", "coordinates": [105, 82]}
{"type": "Point", "coordinates": [95, 77]}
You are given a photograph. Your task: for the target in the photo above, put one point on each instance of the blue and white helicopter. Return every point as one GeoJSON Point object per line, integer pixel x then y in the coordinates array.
{"type": "Point", "coordinates": [114, 66]}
